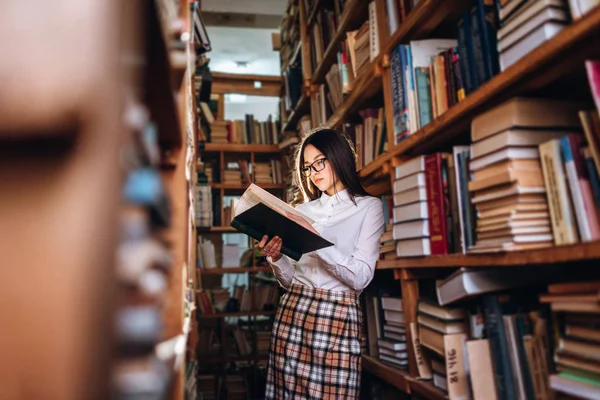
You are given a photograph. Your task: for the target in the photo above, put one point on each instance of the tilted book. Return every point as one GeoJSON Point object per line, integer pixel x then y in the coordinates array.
{"type": "Point", "coordinates": [259, 213]}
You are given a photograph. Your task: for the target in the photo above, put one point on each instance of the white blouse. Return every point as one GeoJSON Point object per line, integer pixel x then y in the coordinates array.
{"type": "Point", "coordinates": [354, 230]}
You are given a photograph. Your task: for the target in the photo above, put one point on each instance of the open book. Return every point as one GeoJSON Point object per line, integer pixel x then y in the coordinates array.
{"type": "Point", "coordinates": [259, 213]}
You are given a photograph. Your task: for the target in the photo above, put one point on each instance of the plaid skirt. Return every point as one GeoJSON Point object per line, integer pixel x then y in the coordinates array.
{"type": "Point", "coordinates": [316, 346]}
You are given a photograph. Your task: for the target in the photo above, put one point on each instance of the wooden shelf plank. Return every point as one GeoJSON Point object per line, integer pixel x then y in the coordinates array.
{"type": "Point", "coordinates": [244, 84]}
{"type": "Point", "coordinates": [423, 19]}
{"type": "Point", "coordinates": [550, 255]}
{"type": "Point", "coordinates": [245, 186]}
{"type": "Point", "coordinates": [240, 148]}
{"type": "Point", "coordinates": [386, 372]}
{"type": "Point", "coordinates": [564, 52]}
{"type": "Point", "coordinates": [233, 270]}
{"type": "Point", "coordinates": [365, 87]}
{"type": "Point", "coordinates": [352, 10]}
{"type": "Point", "coordinates": [299, 111]}
{"type": "Point", "coordinates": [236, 314]}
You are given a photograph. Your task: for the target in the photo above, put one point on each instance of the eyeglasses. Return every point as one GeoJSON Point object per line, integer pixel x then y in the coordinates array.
{"type": "Point", "coordinates": [316, 166]}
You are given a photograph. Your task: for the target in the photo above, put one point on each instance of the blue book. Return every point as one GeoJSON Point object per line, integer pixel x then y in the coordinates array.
{"type": "Point", "coordinates": [484, 22]}
{"type": "Point", "coordinates": [465, 50]}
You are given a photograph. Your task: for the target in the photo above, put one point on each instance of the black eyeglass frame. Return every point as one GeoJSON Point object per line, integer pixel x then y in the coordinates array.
{"type": "Point", "coordinates": [306, 171]}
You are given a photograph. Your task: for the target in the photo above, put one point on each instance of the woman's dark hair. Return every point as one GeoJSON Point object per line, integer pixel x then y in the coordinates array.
{"type": "Point", "coordinates": [339, 151]}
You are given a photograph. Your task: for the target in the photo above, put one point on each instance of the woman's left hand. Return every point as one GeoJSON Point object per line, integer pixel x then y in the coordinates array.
{"type": "Point", "coordinates": [301, 221]}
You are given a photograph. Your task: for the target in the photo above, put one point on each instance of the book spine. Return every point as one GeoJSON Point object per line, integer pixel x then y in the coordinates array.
{"type": "Point", "coordinates": [253, 233]}
{"type": "Point", "coordinates": [594, 179]}
{"type": "Point", "coordinates": [445, 175]}
{"type": "Point", "coordinates": [435, 204]}
{"type": "Point", "coordinates": [397, 95]}
{"type": "Point", "coordinates": [494, 326]}
{"type": "Point", "coordinates": [458, 75]}
{"type": "Point", "coordinates": [456, 373]}
{"type": "Point", "coordinates": [423, 362]}
{"type": "Point", "coordinates": [404, 113]}
{"type": "Point", "coordinates": [477, 42]}
{"type": "Point", "coordinates": [424, 95]}
{"type": "Point", "coordinates": [488, 19]}
{"type": "Point", "coordinates": [464, 33]}
{"type": "Point", "coordinates": [454, 205]}
{"type": "Point", "coordinates": [561, 214]}
{"type": "Point", "coordinates": [450, 83]}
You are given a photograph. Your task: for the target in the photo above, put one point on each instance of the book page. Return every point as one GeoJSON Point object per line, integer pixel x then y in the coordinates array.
{"type": "Point", "coordinates": [255, 194]}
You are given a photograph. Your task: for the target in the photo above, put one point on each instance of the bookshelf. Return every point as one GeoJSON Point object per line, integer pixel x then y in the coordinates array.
{"type": "Point", "coordinates": [239, 320]}
{"type": "Point", "coordinates": [553, 69]}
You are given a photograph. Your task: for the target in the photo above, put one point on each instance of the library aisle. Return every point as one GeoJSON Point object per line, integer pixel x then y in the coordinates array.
{"type": "Point", "coordinates": [129, 130]}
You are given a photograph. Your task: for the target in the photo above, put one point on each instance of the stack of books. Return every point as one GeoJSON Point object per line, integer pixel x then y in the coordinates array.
{"type": "Point", "coordinates": [576, 354]}
{"type": "Point", "coordinates": [392, 347]}
{"type": "Point", "coordinates": [219, 132]}
{"type": "Point", "coordinates": [360, 53]}
{"type": "Point", "coordinates": [262, 173]}
{"type": "Point", "coordinates": [232, 176]}
{"type": "Point", "coordinates": [526, 24]}
{"type": "Point", "coordinates": [410, 215]}
{"type": "Point", "coordinates": [508, 186]}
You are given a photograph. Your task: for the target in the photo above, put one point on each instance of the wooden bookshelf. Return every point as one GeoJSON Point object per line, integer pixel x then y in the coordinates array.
{"type": "Point", "coordinates": [300, 109]}
{"type": "Point", "coordinates": [544, 65]}
{"type": "Point", "coordinates": [550, 255]}
{"type": "Point", "coordinates": [233, 270]}
{"type": "Point", "coordinates": [240, 148]}
{"type": "Point", "coordinates": [354, 12]}
{"type": "Point", "coordinates": [236, 314]}
{"type": "Point", "coordinates": [229, 186]}
{"type": "Point", "coordinates": [365, 87]}
{"type": "Point", "coordinates": [545, 72]}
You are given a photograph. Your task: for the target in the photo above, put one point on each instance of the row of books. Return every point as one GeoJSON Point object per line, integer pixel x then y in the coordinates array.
{"type": "Point", "coordinates": [263, 296]}
{"type": "Point", "coordinates": [390, 330]}
{"type": "Point", "coordinates": [360, 47]}
{"type": "Point", "coordinates": [370, 137]}
{"type": "Point", "coordinates": [527, 181]}
{"type": "Point", "coordinates": [248, 131]}
{"type": "Point", "coordinates": [429, 76]}
{"type": "Point", "coordinates": [240, 172]}
{"type": "Point", "coordinates": [289, 32]}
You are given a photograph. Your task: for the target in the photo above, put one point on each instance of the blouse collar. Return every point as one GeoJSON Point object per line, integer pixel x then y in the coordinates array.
{"type": "Point", "coordinates": [340, 197]}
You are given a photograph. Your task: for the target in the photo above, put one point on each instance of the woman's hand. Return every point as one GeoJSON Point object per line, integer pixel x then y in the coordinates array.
{"type": "Point", "coordinates": [271, 249]}
{"type": "Point", "coordinates": [302, 222]}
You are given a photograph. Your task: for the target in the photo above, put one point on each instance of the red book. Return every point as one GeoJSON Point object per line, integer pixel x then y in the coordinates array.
{"type": "Point", "coordinates": [593, 73]}
{"type": "Point", "coordinates": [436, 204]}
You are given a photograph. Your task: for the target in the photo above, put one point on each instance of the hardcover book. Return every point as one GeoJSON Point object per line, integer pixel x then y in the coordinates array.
{"type": "Point", "coordinates": [259, 213]}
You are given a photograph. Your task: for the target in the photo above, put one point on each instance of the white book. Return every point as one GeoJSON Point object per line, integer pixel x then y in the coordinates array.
{"type": "Point", "coordinates": [528, 21]}
{"type": "Point", "coordinates": [413, 195]}
{"type": "Point", "coordinates": [413, 247]}
{"type": "Point", "coordinates": [409, 182]}
{"type": "Point", "coordinates": [580, 7]}
{"type": "Point", "coordinates": [393, 16]}
{"type": "Point", "coordinates": [410, 212]}
{"type": "Point", "coordinates": [508, 153]}
{"type": "Point", "coordinates": [400, 355]}
{"type": "Point", "coordinates": [411, 229]}
{"type": "Point", "coordinates": [393, 329]}
{"type": "Point", "coordinates": [528, 43]}
{"type": "Point", "coordinates": [391, 345]}
{"type": "Point", "coordinates": [393, 316]}
{"type": "Point", "coordinates": [391, 303]}
{"type": "Point", "coordinates": [508, 9]}
{"type": "Point", "coordinates": [402, 363]}
{"type": "Point", "coordinates": [410, 167]}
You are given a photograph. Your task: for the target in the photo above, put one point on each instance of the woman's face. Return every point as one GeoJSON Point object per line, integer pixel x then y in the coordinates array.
{"type": "Point", "coordinates": [324, 177]}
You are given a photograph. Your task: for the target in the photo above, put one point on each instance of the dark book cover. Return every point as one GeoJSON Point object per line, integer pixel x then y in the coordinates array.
{"type": "Point", "coordinates": [453, 188]}
{"type": "Point", "coordinates": [484, 23]}
{"type": "Point", "coordinates": [261, 220]}
{"type": "Point", "coordinates": [435, 204]}
{"type": "Point", "coordinates": [465, 50]}
{"type": "Point", "coordinates": [494, 306]}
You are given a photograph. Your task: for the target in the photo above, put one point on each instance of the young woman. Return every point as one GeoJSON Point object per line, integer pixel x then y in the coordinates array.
{"type": "Point", "coordinates": [317, 336]}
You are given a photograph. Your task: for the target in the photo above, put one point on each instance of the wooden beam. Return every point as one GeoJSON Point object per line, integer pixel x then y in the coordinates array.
{"type": "Point", "coordinates": [245, 84]}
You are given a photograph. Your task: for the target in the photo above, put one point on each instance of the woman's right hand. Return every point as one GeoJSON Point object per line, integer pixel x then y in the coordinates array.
{"type": "Point", "coordinates": [272, 248]}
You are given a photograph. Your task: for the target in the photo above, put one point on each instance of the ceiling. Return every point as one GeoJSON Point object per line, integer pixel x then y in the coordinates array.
{"type": "Point", "coordinates": [251, 45]}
